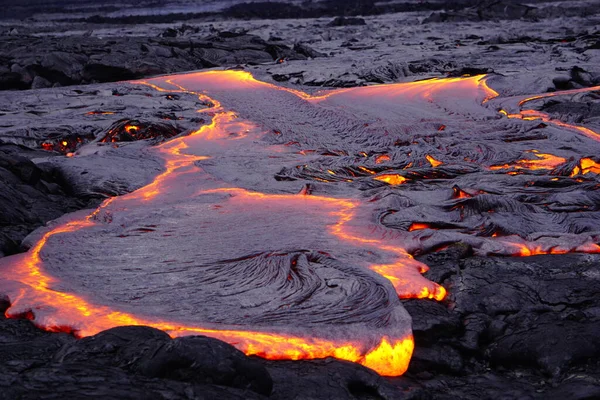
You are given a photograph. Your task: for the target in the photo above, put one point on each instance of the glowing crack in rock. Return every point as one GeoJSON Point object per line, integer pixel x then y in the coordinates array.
{"type": "Point", "coordinates": [287, 225]}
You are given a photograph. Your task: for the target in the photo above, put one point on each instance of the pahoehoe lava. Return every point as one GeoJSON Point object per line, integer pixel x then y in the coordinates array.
{"type": "Point", "coordinates": [275, 226]}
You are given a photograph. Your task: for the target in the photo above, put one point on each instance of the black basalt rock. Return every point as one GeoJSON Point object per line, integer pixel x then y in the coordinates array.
{"type": "Point", "coordinates": [29, 197]}
{"type": "Point", "coordinates": [119, 347]}
{"type": "Point", "coordinates": [345, 21]}
{"type": "Point", "coordinates": [151, 353]}
{"type": "Point", "coordinates": [87, 381]}
{"type": "Point", "coordinates": [202, 359]}
{"type": "Point", "coordinates": [335, 379]}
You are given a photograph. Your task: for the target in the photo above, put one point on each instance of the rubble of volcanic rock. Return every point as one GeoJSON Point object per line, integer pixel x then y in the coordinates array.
{"type": "Point", "coordinates": [126, 130]}
{"type": "Point", "coordinates": [30, 195]}
{"type": "Point", "coordinates": [41, 62]}
{"type": "Point", "coordinates": [510, 328]}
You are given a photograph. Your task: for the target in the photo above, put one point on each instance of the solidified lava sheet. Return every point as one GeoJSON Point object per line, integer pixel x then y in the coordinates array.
{"type": "Point", "coordinates": [286, 225]}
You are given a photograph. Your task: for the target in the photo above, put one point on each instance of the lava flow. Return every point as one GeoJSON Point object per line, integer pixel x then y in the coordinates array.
{"type": "Point", "coordinates": [312, 263]}
{"type": "Point", "coordinates": [532, 115]}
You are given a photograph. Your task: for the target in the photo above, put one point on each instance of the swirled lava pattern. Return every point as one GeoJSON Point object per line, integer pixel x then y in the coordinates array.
{"type": "Point", "coordinates": [287, 225]}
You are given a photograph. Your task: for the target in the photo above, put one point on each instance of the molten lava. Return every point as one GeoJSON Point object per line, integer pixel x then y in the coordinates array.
{"type": "Point", "coordinates": [586, 166]}
{"type": "Point", "coordinates": [214, 223]}
{"type": "Point", "coordinates": [392, 179]}
{"type": "Point", "coordinates": [532, 115]}
{"type": "Point", "coordinates": [542, 161]}
{"type": "Point", "coordinates": [434, 163]}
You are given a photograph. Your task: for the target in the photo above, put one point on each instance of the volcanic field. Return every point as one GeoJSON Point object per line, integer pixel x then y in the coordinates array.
{"type": "Point", "coordinates": [237, 232]}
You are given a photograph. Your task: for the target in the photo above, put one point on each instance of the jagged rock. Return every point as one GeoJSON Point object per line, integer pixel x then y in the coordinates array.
{"type": "Point", "coordinates": [307, 51]}
{"type": "Point", "coordinates": [334, 379]}
{"type": "Point", "coordinates": [576, 78]}
{"type": "Point", "coordinates": [152, 353]}
{"type": "Point", "coordinates": [345, 21]}
{"type": "Point", "coordinates": [11, 80]}
{"type": "Point", "coordinates": [126, 130]}
{"type": "Point", "coordinates": [98, 72]}
{"type": "Point", "coordinates": [483, 11]}
{"type": "Point", "coordinates": [72, 60]}
{"type": "Point", "coordinates": [40, 83]}
{"type": "Point", "coordinates": [469, 71]}
{"type": "Point", "coordinates": [26, 199]}
{"type": "Point", "coordinates": [86, 380]}
{"type": "Point", "coordinates": [22, 343]}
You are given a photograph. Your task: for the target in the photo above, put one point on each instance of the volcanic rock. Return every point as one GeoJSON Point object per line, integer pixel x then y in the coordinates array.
{"type": "Point", "coordinates": [302, 48]}
{"type": "Point", "coordinates": [152, 353]}
{"type": "Point", "coordinates": [29, 197]}
{"type": "Point", "coordinates": [345, 21]}
{"type": "Point", "coordinates": [529, 314]}
{"type": "Point", "coordinates": [126, 130]}
{"type": "Point", "coordinates": [577, 78]}
{"type": "Point", "coordinates": [334, 379]}
{"type": "Point", "coordinates": [72, 60]}
{"type": "Point", "coordinates": [86, 380]}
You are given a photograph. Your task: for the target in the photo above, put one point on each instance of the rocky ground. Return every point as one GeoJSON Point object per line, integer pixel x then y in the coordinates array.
{"type": "Point", "coordinates": [503, 37]}
{"type": "Point", "coordinates": [510, 327]}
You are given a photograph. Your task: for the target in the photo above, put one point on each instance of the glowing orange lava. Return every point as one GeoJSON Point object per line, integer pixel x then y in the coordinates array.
{"type": "Point", "coordinates": [389, 357]}
{"type": "Point", "coordinates": [434, 163]}
{"type": "Point", "coordinates": [543, 161]}
{"type": "Point", "coordinates": [458, 193]}
{"type": "Point", "coordinates": [586, 166]}
{"type": "Point", "coordinates": [386, 358]}
{"type": "Point", "coordinates": [417, 226]}
{"type": "Point", "coordinates": [532, 115]}
{"type": "Point", "coordinates": [382, 158]}
{"type": "Point", "coordinates": [524, 249]}
{"type": "Point", "coordinates": [392, 179]}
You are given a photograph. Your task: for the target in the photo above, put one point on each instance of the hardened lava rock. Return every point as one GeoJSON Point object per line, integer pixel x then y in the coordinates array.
{"type": "Point", "coordinates": [126, 130]}
{"type": "Point", "coordinates": [152, 353]}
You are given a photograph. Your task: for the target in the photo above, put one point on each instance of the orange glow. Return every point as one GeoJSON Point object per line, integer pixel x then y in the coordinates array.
{"type": "Point", "coordinates": [368, 171]}
{"type": "Point", "coordinates": [390, 356]}
{"type": "Point", "coordinates": [489, 92]}
{"type": "Point", "coordinates": [416, 226]}
{"type": "Point", "coordinates": [382, 158]}
{"type": "Point", "coordinates": [532, 115]}
{"type": "Point", "coordinates": [458, 193]}
{"type": "Point", "coordinates": [526, 249]}
{"type": "Point", "coordinates": [586, 166]}
{"type": "Point", "coordinates": [385, 358]}
{"type": "Point", "coordinates": [392, 179]}
{"type": "Point", "coordinates": [560, 93]}
{"type": "Point", "coordinates": [543, 161]}
{"type": "Point", "coordinates": [434, 163]}
{"type": "Point", "coordinates": [100, 113]}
